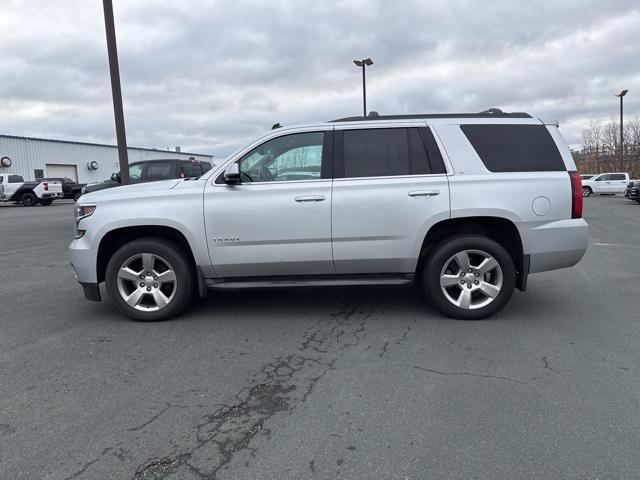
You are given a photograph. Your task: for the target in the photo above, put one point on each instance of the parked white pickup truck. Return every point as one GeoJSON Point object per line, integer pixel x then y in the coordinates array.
{"type": "Point", "coordinates": [13, 188]}
{"type": "Point", "coordinates": [605, 183]}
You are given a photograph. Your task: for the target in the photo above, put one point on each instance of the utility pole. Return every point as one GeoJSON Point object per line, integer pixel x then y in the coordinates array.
{"type": "Point", "coordinates": [621, 95]}
{"type": "Point", "coordinates": [116, 92]}
{"type": "Point", "coordinates": [364, 63]}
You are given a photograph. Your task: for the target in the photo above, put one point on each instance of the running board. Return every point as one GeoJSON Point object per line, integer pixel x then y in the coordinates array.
{"type": "Point", "coordinates": [305, 281]}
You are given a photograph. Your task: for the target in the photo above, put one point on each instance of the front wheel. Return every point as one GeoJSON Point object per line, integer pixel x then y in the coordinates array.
{"type": "Point", "coordinates": [149, 279]}
{"type": "Point", "coordinates": [469, 277]}
{"type": "Point", "coordinates": [586, 191]}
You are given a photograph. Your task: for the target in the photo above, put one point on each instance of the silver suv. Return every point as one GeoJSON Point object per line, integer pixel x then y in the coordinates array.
{"type": "Point", "coordinates": [468, 204]}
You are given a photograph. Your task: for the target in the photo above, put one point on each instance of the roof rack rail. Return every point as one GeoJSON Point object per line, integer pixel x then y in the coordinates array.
{"type": "Point", "coordinates": [489, 113]}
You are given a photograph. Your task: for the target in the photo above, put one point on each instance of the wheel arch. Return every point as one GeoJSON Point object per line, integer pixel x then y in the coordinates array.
{"type": "Point", "coordinates": [499, 229]}
{"type": "Point", "coordinates": [114, 239]}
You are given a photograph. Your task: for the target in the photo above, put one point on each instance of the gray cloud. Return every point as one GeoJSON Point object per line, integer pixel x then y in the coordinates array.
{"type": "Point", "coordinates": [210, 76]}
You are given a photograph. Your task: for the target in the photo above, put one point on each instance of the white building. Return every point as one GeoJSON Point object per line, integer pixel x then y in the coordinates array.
{"type": "Point", "coordinates": [40, 157]}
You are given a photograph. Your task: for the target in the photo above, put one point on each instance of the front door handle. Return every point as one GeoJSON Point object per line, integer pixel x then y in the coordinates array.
{"type": "Point", "coordinates": [424, 193]}
{"type": "Point", "coordinates": [310, 198]}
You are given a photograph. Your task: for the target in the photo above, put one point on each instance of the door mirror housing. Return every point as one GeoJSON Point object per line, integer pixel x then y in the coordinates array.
{"type": "Point", "coordinates": [116, 177]}
{"type": "Point", "coordinates": [232, 174]}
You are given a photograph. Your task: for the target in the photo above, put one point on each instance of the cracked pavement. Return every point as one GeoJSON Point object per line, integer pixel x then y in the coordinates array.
{"type": "Point", "coordinates": [322, 383]}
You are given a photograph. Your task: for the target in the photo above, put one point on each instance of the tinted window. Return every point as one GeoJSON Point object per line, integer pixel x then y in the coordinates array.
{"type": "Point", "coordinates": [38, 173]}
{"type": "Point", "coordinates": [286, 158]}
{"type": "Point", "coordinates": [515, 148]}
{"type": "Point", "coordinates": [384, 152]}
{"type": "Point", "coordinates": [586, 177]}
{"type": "Point", "coordinates": [16, 179]}
{"type": "Point", "coordinates": [433, 152]}
{"type": "Point", "coordinates": [601, 178]}
{"type": "Point", "coordinates": [617, 176]}
{"type": "Point", "coordinates": [158, 171]}
{"type": "Point", "coordinates": [190, 170]}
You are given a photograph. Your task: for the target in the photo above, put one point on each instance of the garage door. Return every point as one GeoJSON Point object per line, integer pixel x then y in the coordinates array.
{"type": "Point", "coordinates": [70, 171]}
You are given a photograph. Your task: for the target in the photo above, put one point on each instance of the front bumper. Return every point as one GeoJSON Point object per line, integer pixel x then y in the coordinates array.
{"type": "Point", "coordinates": [558, 244]}
{"type": "Point", "coordinates": [83, 260]}
{"type": "Point", "coordinates": [633, 193]}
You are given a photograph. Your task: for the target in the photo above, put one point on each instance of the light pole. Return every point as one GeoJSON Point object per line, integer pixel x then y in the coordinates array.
{"type": "Point", "coordinates": [364, 63]}
{"type": "Point", "coordinates": [621, 95]}
{"type": "Point", "coordinates": [116, 93]}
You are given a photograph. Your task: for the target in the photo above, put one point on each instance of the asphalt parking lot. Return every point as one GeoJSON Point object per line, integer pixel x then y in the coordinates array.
{"type": "Point", "coordinates": [356, 383]}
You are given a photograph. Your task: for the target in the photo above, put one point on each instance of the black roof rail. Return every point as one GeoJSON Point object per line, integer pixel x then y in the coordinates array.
{"type": "Point", "coordinates": [490, 113]}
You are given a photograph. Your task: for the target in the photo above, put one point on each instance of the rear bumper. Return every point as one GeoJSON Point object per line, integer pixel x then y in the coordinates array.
{"type": "Point", "coordinates": [557, 244]}
{"type": "Point", "coordinates": [46, 196]}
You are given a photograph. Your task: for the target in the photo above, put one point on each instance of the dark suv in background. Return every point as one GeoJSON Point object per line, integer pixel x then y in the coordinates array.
{"type": "Point", "coordinates": [154, 170]}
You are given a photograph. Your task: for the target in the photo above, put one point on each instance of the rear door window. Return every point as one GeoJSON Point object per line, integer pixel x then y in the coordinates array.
{"type": "Point", "coordinates": [515, 148]}
{"type": "Point", "coordinates": [382, 152]}
{"type": "Point", "coordinates": [618, 176]}
{"type": "Point", "coordinates": [16, 179]}
{"type": "Point", "coordinates": [188, 169]}
{"type": "Point", "coordinates": [158, 171]}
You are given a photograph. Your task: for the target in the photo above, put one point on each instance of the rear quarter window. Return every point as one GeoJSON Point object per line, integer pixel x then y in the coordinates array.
{"type": "Point", "coordinates": [515, 148]}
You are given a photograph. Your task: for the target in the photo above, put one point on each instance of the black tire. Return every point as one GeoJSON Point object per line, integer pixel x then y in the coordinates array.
{"type": "Point", "coordinates": [28, 199]}
{"type": "Point", "coordinates": [441, 255]}
{"type": "Point", "coordinates": [586, 191]}
{"type": "Point", "coordinates": [177, 260]}
{"type": "Point", "coordinates": [46, 203]}
{"type": "Point", "coordinates": [76, 196]}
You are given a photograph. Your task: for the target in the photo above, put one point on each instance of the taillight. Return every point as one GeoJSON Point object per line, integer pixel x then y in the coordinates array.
{"type": "Point", "coordinates": [45, 185]}
{"type": "Point", "coordinates": [576, 195]}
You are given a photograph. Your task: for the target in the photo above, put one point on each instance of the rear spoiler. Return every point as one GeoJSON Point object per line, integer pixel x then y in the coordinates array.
{"type": "Point", "coordinates": [548, 121]}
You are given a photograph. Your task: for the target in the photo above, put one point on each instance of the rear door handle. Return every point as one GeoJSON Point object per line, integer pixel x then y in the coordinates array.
{"type": "Point", "coordinates": [310, 198]}
{"type": "Point", "coordinates": [424, 193]}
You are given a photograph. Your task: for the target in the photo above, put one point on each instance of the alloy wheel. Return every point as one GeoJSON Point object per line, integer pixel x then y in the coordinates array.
{"type": "Point", "coordinates": [146, 282]}
{"type": "Point", "coordinates": [471, 279]}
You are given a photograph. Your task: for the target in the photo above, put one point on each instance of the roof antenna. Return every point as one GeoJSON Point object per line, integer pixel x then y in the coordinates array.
{"type": "Point", "coordinates": [493, 111]}
{"type": "Point", "coordinates": [275, 125]}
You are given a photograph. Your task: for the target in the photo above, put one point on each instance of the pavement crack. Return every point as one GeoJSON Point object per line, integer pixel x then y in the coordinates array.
{"type": "Point", "coordinates": [82, 470]}
{"type": "Point", "coordinates": [470, 374]}
{"type": "Point", "coordinates": [280, 385]}
{"type": "Point", "coordinates": [155, 417]}
{"type": "Point", "coordinates": [384, 350]}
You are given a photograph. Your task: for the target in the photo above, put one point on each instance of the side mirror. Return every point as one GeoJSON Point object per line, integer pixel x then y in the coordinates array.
{"type": "Point", "coordinates": [116, 177]}
{"type": "Point", "coordinates": [232, 174]}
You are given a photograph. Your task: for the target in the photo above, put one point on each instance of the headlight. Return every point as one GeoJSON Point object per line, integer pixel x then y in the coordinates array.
{"type": "Point", "coordinates": [82, 211]}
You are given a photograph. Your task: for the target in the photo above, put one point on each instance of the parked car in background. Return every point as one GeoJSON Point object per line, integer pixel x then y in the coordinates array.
{"type": "Point", "coordinates": [70, 189]}
{"type": "Point", "coordinates": [605, 184]}
{"type": "Point", "coordinates": [466, 204]}
{"type": "Point", "coordinates": [153, 171]}
{"type": "Point", "coordinates": [15, 189]}
{"type": "Point", "coordinates": [633, 190]}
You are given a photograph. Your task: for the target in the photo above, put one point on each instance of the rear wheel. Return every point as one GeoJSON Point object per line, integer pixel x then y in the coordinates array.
{"type": "Point", "coordinates": [469, 277]}
{"type": "Point", "coordinates": [29, 199]}
{"type": "Point", "coordinates": [586, 191]}
{"type": "Point", "coordinates": [149, 280]}
{"type": "Point", "coordinates": [46, 203]}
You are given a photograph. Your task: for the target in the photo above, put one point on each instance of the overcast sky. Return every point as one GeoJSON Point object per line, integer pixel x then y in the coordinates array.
{"type": "Point", "coordinates": [210, 76]}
